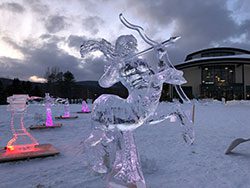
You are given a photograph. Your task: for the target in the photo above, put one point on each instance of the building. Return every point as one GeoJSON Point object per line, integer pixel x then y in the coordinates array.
{"type": "Point", "coordinates": [217, 73]}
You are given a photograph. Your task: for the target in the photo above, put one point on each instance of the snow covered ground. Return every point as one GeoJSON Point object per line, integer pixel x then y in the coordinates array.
{"type": "Point", "coordinates": [167, 162]}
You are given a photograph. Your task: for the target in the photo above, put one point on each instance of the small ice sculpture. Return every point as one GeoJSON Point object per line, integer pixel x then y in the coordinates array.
{"type": "Point", "coordinates": [66, 115]}
{"type": "Point", "coordinates": [48, 103]}
{"type": "Point", "coordinates": [85, 108]}
{"type": "Point", "coordinates": [66, 109]}
{"type": "Point", "coordinates": [65, 102]}
{"type": "Point", "coordinates": [22, 140]}
{"type": "Point", "coordinates": [111, 146]}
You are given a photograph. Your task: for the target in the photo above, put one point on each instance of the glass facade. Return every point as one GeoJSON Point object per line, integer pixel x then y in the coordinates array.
{"type": "Point", "coordinates": [248, 92]}
{"type": "Point", "coordinates": [220, 75]}
{"type": "Point", "coordinates": [234, 91]}
{"type": "Point", "coordinates": [218, 81]}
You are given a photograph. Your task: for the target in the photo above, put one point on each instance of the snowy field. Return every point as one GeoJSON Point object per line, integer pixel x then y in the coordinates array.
{"type": "Point", "coordinates": [167, 162]}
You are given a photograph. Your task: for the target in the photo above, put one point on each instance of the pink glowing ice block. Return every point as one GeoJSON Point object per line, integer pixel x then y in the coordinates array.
{"type": "Point", "coordinates": [85, 107]}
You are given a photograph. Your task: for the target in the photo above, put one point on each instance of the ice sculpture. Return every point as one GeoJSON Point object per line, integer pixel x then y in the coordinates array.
{"type": "Point", "coordinates": [85, 108]}
{"type": "Point", "coordinates": [48, 103]}
{"type": "Point", "coordinates": [66, 109]}
{"type": "Point", "coordinates": [111, 146]}
{"type": "Point", "coordinates": [49, 120]}
{"type": "Point", "coordinates": [23, 145]}
{"type": "Point", "coordinates": [22, 139]}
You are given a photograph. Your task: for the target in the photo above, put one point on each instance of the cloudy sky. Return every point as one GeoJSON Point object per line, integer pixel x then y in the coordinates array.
{"type": "Point", "coordinates": [37, 34]}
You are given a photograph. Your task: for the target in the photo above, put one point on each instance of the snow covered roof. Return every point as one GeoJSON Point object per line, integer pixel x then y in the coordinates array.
{"type": "Point", "coordinates": [217, 50]}
{"type": "Point", "coordinates": [232, 59]}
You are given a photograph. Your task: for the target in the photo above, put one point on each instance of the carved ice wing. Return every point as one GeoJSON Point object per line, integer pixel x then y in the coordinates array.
{"type": "Point", "coordinates": [103, 46]}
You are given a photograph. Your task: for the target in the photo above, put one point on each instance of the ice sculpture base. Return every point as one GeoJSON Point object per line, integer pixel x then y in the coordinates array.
{"type": "Point", "coordinates": [81, 112]}
{"type": "Point", "coordinates": [43, 126]}
{"type": "Point", "coordinates": [131, 185]}
{"type": "Point", "coordinates": [126, 171]}
{"type": "Point", "coordinates": [15, 154]}
{"type": "Point", "coordinates": [65, 117]}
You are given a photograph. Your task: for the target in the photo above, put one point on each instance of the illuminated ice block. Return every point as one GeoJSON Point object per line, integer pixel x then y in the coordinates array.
{"type": "Point", "coordinates": [22, 140]}
{"type": "Point", "coordinates": [85, 107]}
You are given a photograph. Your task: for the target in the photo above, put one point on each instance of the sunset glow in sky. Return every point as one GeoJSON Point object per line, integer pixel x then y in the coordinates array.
{"type": "Point", "coordinates": [37, 34]}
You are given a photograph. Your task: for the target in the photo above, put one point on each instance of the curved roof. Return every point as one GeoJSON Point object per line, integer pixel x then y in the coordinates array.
{"type": "Point", "coordinates": [234, 59]}
{"type": "Point", "coordinates": [225, 50]}
{"type": "Point", "coordinates": [220, 55]}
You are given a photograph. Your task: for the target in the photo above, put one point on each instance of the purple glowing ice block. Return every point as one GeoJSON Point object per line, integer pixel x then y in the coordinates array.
{"type": "Point", "coordinates": [85, 107]}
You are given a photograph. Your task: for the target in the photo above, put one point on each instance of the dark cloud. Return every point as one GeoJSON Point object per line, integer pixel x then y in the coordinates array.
{"type": "Point", "coordinates": [75, 41]}
{"type": "Point", "coordinates": [9, 41]}
{"type": "Point", "coordinates": [13, 68]}
{"type": "Point", "coordinates": [39, 58]}
{"type": "Point", "coordinates": [13, 7]}
{"type": "Point", "coordinates": [245, 28]}
{"type": "Point", "coordinates": [38, 6]}
{"type": "Point", "coordinates": [55, 23]}
{"type": "Point", "coordinates": [200, 23]}
{"type": "Point", "coordinates": [92, 68]}
{"type": "Point", "coordinates": [92, 24]}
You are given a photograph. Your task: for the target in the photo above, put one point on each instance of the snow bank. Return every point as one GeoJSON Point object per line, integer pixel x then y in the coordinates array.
{"type": "Point", "coordinates": [166, 160]}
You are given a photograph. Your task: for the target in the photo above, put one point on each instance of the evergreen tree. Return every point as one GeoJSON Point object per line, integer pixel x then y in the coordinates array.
{"type": "Point", "coordinates": [68, 77]}
{"type": "Point", "coordinates": [3, 96]}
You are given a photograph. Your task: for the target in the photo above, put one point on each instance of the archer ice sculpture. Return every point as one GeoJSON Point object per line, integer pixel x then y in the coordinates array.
{"type": "Point", "coordinates": [111, 147]}
{"type": "Point", "coordinates": [85, 108]}
{"type": "Point", "coordinates": [49, 120]}
{"type": "Point", "coordinates": [23, 145]}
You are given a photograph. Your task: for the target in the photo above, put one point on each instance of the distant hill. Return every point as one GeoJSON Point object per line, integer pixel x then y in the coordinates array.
{"type": "Point", "coordinates": [6, 81]}
{"type": "Point", "coordinates": [96, 84]}
{"type": "Point", "coordinates": [94, 87]}
{"type": "Point", "coordinates": [78, 90]}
